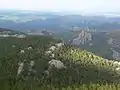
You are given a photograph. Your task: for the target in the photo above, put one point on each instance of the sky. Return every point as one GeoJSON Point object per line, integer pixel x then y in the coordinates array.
{"type": "Point", "coordinates": [63, 5]}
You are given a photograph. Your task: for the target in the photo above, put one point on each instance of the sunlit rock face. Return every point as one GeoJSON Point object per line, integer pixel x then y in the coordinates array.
{"type": "Point", "coordinates": [82, 38]}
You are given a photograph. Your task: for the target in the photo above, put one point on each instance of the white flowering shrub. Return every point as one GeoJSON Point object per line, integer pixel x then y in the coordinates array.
{"type": "Point", "coordinates": [46, 72]}
{"type": "Point", "coordinates": [29, 48]}
{"type": "Point", "coordinates": [59, 45]}
{"type": "Point", "coordinates": [118, 69]}
{"type": "Point", "coordinates": [53, 55]}
{"type": "Point", "coordinates": [56, 63]}
{"type": "Point", "coordinates": [13, 46]}
{"type": "Point", "coordinates": [116, 62]}
{"type": "Point", "coordinates": [22, 51]}
{"type": "Point", "coordinates": [32, 63]}
{"type": "Point", "coordinates": [20, 68]}
{"type": "Point", "coordinates": [52, 48]}
{"type": "Point", "coordinates": [48, 52]}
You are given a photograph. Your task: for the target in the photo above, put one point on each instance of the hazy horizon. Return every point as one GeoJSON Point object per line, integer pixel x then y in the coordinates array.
{"type": "Point", "coordinates": [63, 5]}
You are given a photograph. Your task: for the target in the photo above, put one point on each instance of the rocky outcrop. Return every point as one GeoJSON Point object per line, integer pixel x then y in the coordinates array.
{"type": "Point", "coordinates": [83, 38]}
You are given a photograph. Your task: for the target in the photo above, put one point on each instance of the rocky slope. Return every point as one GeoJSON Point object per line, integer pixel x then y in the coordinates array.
{"type": "Point", "coordinates": [83, 38]}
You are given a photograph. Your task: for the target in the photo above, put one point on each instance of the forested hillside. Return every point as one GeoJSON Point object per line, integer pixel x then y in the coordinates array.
{"type": "Point", "coordinates": [44, 63]}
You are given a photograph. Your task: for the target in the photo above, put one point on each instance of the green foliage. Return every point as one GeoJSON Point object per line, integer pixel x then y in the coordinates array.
{"type": "Point", "coordinates": [84, 70]}
{"type": "Point", "coordinates": [89, 67]}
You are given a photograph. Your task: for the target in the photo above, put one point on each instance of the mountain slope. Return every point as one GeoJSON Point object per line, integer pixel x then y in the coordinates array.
{"type": "Point", "coordinates": [89, 67]}
{"type": "Point", "coordinates": [100, 43]}
{"type": "Point", "coordinates": [81, 66]}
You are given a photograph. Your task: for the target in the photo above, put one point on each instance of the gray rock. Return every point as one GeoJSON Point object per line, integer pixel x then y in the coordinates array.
{"type": "Point", "coordinates": [82, 38]}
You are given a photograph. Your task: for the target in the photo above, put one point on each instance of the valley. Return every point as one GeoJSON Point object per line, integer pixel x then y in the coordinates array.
{"type": "Point", "coordinates": [53, 51]}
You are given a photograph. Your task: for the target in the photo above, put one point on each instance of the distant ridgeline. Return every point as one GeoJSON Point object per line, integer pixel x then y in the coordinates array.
{"type": "Point", "coordinates": [10, 33]}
